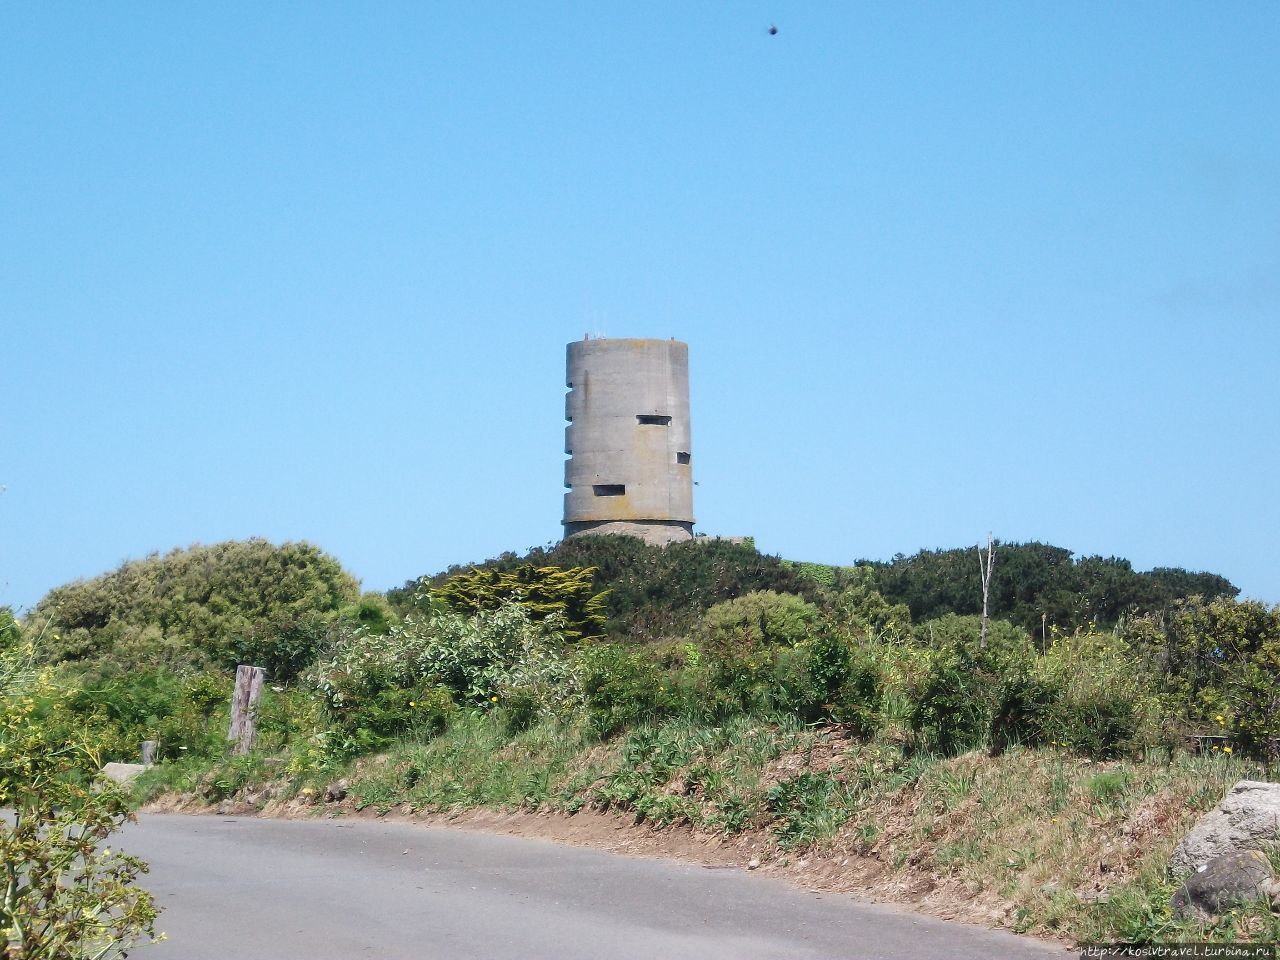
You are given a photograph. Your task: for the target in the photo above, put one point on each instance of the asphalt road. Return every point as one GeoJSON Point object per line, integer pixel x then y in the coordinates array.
{"type": "Point", "coordinates": [329, 890]}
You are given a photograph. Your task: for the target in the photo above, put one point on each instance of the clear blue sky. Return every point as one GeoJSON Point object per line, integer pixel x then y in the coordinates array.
{"type": "Point", "coordinates": [306, 271]}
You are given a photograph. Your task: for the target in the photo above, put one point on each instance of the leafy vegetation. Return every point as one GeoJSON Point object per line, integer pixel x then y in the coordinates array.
{"type": "Point", "coordinates": [542, 592]}
{"type": "Point", "coordinates": [653, 592]}
{"type": "Point", "coordinates": [1035, 584]}
{"type": "Point", "coordinates": [66, 896]}
{"type": "Point", "coordinates": [707, 685]}
{"type": "Point", "coordinates": [202, 606]}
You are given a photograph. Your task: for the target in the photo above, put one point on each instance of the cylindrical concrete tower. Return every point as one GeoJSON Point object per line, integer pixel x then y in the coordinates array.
{"type": "Point", "coordinates": [630, 466]}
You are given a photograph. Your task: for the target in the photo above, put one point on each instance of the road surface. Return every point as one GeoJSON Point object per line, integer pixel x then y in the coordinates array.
{"type": "Point", "coordinates": [333, 890]}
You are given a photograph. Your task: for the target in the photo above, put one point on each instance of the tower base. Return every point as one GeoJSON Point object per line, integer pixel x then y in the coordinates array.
{"type": "Point", "coordinates": [657, 533]}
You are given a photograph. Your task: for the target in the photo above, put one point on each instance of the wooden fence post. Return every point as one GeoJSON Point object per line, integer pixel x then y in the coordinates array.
{"type": "Point", "coordinates": [244, 707]}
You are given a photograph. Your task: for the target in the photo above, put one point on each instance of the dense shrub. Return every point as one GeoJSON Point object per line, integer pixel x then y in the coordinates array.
{"type": "Point", "coordinates": [185, 714]}
{"type": "Point", "coordinates": [859, 607]}
{"type": "Point", "coordinates": [1035, 580]}
{"type": "Point", "coordinates": [760, 618]}
{"type": "Point", "coordinates": [1087, 694]}
{"type": "Point", "coordinates": [1098, 702]}
{"type": "Point", "coordinates": [284, 647]}
{"type": "Point", "coordinates": [371, 721]}
{"type": "Point", "coordinates": [652, 592]}
{"type": "Point", "coordinates": [191, 607]}
{"type": "Point", "coordinates": [1215, 663]}
{"type": "Point", "coordinates": [379, 684]}
{"type": "Point", "coordinates": [544, 592]}
{"type": "Point", "coordinates": [966, 687]}
{"type": "Point", "coordinates": [856, 691]}
{"type": "Point", "coordinates": [10, 631]}
{"type": "Point", "coordinates": [623, 686]}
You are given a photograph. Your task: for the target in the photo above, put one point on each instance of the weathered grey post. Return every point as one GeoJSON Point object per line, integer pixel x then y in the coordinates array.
{"type": "Point", "coordinates": [244, 707]}
{"type": "Point", "coordinates": [148, 752]}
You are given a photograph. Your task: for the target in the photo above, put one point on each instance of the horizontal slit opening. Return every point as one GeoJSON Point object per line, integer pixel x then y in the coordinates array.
{"type": "Point", "coordinates": [653, 420]}
{"type": "Point", "coordinates": [609, 489]}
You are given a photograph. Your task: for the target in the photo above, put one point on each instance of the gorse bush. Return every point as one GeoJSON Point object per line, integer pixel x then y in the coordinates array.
{"type": "Point", "coordinates": [760, 618]}
{"type": "Point", "coordinates": [195, 607]}
{"type": "Point", "coordinates": [1215, 663]}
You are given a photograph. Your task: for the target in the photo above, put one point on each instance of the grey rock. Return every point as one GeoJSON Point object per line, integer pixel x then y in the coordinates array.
{"type": "Point", "coordinates": [336, 792]}
{"type": "Point", "coordinates": [1248, 818]}
{"type": "Point", "coordinates": [122, 772]}
{"type": "Point", "coordinates": [1225, 882]}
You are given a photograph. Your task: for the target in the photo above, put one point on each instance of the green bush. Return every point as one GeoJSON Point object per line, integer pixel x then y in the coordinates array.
{"type": "Point", "coordinates": [372, 721]}
{"type": "Point", "coordinates": [1214, 663]}
{"type": "Point", "coordinates": [857, 699]}
{"type": "Point", "coordinates": [760, 618]}
{"type": "Point", "coordinates": [651, 592]}
{"type": "Point", "coordinates": [190, 607]}
{"type": "Point", "coordinates": [623, 687]}
{"type": "Point", "coordinates": [1034, 581]}
{"type": "Point", "coordinates": [284, 648]}
{"type": "Point", "coordinates": [10, 631]}
{"type": "Point", "coordinates": [545, 593]}
{"type": "Point", "coordinates": [858, 606]}
{"type": "Point", "coordinates": [121, 709]}
{"type": "Point", "coordinates": [967, 686]}
{"type": "Point", "coordinates": [67, 895]}
{"type": "Point", "coordinates": [482, 662]}
{"type": "Point", "coordinates": [1100, 704]}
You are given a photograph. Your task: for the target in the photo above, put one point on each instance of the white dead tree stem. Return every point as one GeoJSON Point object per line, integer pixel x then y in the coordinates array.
{"type": "Point", "coordinates": [244, 708]}
{"type": "Point", "coordinates": [985, 567]}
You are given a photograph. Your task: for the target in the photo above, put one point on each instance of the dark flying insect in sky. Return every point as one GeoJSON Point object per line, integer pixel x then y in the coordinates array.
{"type": "Point", "coordinates": [773, 30]}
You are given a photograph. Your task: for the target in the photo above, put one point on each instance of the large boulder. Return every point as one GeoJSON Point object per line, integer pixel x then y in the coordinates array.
{"type": "Point", "coordinates": [1248, 818]}
{"type": "Point", "coordinates": [1225, 882]}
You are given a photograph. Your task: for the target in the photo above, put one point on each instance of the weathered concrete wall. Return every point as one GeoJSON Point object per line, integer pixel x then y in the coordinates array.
{"type": "Point", "coordinates": [628, 439]}
{"type": "Point", "coordinates": [658, 532]}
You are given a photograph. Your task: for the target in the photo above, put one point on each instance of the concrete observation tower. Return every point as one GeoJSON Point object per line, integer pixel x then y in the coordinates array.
{"type": "Point", "coordinates": [630, 466]}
